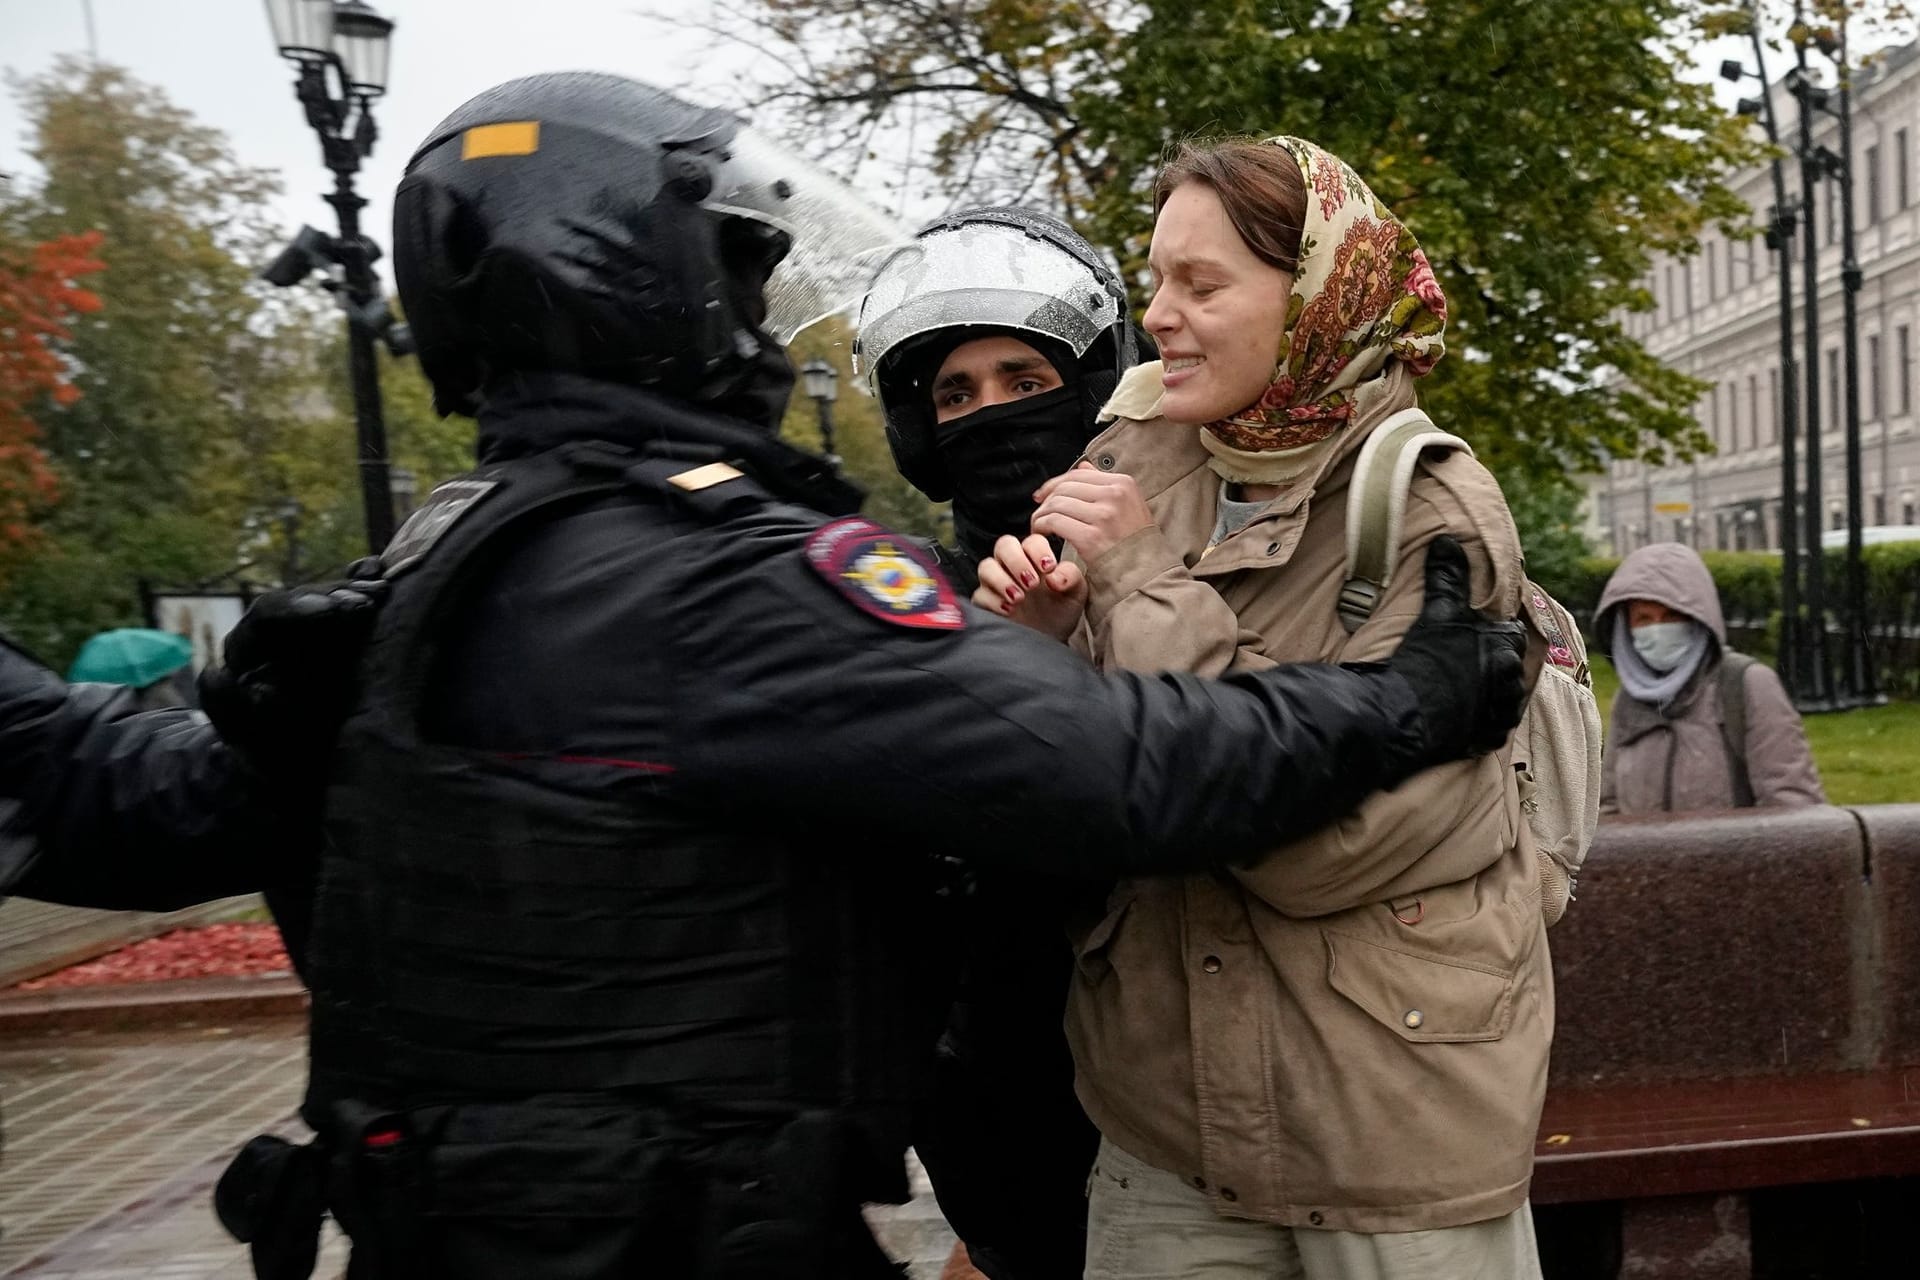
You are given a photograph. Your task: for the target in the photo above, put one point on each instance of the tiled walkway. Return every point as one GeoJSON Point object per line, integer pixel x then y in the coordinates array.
{"type": "Point", "coordinates": [114, 1141]}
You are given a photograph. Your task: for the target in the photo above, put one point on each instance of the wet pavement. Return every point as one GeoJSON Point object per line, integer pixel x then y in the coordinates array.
{"type": "Point", "coordinates": [114, 1142]}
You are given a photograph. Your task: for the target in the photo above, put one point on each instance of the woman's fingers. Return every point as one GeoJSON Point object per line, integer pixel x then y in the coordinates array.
{"type": "Point", "coordinates": [1012, 556]}
{"type": "Point", "coordinates": [1058, 524]}
{"type": "Point", "coordinates": [997, 591]}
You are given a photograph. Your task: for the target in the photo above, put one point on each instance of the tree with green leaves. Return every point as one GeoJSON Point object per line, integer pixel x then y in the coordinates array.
{"type": "Point", "coordinates": [193, 376]}
{"type": "Point", "coordinates": [1542, 153]}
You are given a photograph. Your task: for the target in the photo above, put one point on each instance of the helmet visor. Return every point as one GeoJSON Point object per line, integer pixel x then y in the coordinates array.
{"type": "Point", "coordinates": [981, 274]}
{"type": "Point", "coordinates": [838, 237]}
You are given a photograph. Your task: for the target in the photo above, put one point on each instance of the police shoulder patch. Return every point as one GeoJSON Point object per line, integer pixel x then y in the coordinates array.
{"type": "Point", "coordinates": [442, 509]}
{"type": "Point", "coordinates": [884, 574]}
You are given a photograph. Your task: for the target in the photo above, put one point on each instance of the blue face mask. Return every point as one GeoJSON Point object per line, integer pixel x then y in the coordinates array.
{"type": "Point", "coordinates": [1663, 645]}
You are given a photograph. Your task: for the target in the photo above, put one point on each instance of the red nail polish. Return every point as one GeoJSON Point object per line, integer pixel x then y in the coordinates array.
{"type": "Point", "coordinates": [1046, 564]}
{"type": "Point", "coordinates": [1026, 579]}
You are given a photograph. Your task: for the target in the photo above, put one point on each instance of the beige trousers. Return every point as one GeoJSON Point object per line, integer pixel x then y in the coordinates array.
{"type": "Point", "coordinates": [1146, 1224]}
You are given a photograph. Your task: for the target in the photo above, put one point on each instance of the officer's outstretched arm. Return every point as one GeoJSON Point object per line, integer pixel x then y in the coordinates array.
{"type": "Point", "coordinates": [989, 740]}
{"type": "Point", "coordinates": [102, 805]}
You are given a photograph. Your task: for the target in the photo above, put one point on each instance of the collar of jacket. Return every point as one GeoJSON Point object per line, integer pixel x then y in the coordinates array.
{"type": "Point", "coordinates": [537, 412]}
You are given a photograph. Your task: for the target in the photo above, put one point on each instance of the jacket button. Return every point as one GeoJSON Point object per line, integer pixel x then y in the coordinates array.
{"type": "Point", "coordinates": [1316, 1217]}
{"type": "Point", "coordinates": [1228, 1193]}
{"type": "Point", "coordinates": [1199, 1183]}
{"type": "Point", "coordinates": [1104, 462]}
{"type": "Point", "coordinates": [1413, 1019]}
{"type": "Point", "coordinates": [1211, 964]}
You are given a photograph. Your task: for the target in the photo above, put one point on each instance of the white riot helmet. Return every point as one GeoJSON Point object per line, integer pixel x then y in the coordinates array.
{"type": "Point", "coordinates": [1001, 269]}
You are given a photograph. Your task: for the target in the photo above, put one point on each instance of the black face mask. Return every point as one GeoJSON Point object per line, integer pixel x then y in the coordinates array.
{"type": "Point", "coordinates": [996, 457]}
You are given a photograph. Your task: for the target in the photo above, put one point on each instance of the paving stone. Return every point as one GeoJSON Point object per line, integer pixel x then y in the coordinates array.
{"type": "Point", "coordinates": [114, 1142]}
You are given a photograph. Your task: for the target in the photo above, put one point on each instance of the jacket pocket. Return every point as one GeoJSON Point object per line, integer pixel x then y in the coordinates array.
{"type": "Point", "coordinates": [1090, 956]}
{"type": "Point", "coordinates": [1424, 998]}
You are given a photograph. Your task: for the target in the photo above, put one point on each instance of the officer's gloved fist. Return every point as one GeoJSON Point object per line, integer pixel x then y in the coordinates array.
{"type": "Point", "coordinates": [1468, 672]}
{"type": "Point", "coordinates": [288, 674]}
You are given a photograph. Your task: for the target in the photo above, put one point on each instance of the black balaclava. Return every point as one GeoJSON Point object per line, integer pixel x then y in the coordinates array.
{"type": "Point", "coordinates": [994, 458]}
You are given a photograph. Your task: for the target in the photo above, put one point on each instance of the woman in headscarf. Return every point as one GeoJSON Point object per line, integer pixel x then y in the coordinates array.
{"type": "Point", "coordinates": [1330, 1064]}
{"type": "Point", "coordinates": [1695, 726]}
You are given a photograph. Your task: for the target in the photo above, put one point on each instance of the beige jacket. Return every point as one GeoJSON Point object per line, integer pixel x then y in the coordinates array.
{"type": "Point", "coordinates": [1352, 1032]}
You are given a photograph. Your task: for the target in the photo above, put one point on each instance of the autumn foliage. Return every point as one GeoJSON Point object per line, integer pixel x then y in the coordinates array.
{"type": "Point", "coordinates": [39, 296]}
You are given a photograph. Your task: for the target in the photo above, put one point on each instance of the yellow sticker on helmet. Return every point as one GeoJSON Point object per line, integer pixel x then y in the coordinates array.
{"type": "Point", "coordinates": [516, 138]}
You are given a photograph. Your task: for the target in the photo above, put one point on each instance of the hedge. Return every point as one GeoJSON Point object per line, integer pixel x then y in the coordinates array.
{"type": "Point", "coordinates": [1749, 584]}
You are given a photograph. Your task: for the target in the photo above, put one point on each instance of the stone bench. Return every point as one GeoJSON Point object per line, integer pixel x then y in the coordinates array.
{"type": "Point", "coordinates": [1739, 1013]}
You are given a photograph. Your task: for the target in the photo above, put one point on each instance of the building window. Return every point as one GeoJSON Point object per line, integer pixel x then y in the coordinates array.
{"type": "Point", "coordinates": [1831, 217]}
{"type": "Point", "coordinates": [1753, 411]}
{"type": "Point", "coordinates": [1906, 508]}
{"type": "Point", "coordinates": [1833, 390]}
{"type": "Point", "coordinates": [1773, 406]}
{"type": "Point", "coordinates": [1873, 185]}
{"type": "Point", "coordinates": [1903, 353]}
{"type": "Point", "coordinates": [1874, 403]}
{"type": "Point", "coordinates": [1879, 508]}
{"type": "Point", "coordinates": [1713, 270]}
{"type": "Point", "coordinates": [1902, 171]}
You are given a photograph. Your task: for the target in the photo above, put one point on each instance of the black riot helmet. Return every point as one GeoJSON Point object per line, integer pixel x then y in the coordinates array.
{"type": "Point", "coordinates": [585, 223]}
{"type": "Point", "coordinates": [984, 271]}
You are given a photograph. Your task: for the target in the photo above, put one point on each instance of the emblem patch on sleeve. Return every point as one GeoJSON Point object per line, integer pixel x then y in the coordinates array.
{"type": "Point", "coordinates": [884, 574]}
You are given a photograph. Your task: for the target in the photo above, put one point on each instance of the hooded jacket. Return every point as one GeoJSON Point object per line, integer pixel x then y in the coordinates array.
{"type": "Point", "coordinates": [1673, 758]}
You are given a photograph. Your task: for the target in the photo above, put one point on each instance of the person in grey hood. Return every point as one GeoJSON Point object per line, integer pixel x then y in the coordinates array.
{"type": "Point", "coordinates": [1695, 726]}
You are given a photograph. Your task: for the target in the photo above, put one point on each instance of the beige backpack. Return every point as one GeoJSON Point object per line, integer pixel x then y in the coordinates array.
{"type": "Point", "coordinates": [1556, 750]}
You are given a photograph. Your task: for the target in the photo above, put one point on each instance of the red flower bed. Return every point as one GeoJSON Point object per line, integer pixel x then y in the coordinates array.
{"type": "Point", "coordinates": [210, 951]}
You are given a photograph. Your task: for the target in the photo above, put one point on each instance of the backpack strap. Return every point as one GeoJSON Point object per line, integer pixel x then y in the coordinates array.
{"type": "Point", "coordinates": [1376, 507]}
{"type": "Point", "coordinates": [1733, 724]}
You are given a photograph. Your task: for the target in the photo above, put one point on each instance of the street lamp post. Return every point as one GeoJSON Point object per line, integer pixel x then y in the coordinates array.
{"type": "Point", "coordinates": [822, 383]}
{"type": "Point", "coordinates": [1860, 682]}
{"type": "Point", "coordinates": [1780, 227]}
{"type": "Point", "coordinates": [1815, 686]}
{"type": "Point", "coordinates": [341, 50]}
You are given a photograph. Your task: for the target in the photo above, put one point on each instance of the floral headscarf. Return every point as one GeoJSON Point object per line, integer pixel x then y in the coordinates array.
{"type": "Point", "coordinates": [1364, 294]}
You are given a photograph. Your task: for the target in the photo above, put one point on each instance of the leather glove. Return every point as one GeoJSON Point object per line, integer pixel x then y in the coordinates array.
{"type": "Point", "coordinates": [1467, 671]}
{"type": "Point", "coordinates": [288, 676]}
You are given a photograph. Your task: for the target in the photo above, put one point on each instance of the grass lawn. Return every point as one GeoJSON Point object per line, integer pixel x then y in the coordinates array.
{"type": "Point", "coordinates": [1871, 756]}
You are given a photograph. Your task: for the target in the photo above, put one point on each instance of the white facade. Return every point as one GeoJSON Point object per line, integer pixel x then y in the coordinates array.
{"type": "Point", "coordinates": [1718, 318]}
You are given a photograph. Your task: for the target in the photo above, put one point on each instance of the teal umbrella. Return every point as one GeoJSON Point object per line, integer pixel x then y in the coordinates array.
{"type": "Point", "coordinates": [131, 656]}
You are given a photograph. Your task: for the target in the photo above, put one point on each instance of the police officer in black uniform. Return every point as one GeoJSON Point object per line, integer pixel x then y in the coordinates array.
{"type": "Point", "coordinates": [627, 955]}
{"type": "Point", "coordinates": [1002, 1136]}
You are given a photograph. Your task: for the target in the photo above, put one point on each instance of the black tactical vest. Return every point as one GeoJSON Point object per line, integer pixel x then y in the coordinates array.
{"type": "Point", "coordinates": [490, 928]}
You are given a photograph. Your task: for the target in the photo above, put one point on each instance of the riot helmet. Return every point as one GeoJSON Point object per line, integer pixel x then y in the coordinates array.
{"type": "Point", "coordinates": [992, 272]}
{"type": "Point", "coordinates": [586, 223]}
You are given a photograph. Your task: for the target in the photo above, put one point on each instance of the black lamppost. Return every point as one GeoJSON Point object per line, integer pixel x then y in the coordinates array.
{"type": "Point", "coordinates": [1860, 682]}
{"type": "Point", "coordinates": [341, 50]}
{"type": "Point", "coordinates": [1815, 687]}
{"type": "Point", "coordinates": [822, 383]}
{"type": "Point", "coordinates": [1780, 226]}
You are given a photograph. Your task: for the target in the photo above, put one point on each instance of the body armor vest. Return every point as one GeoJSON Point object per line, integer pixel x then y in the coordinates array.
{"type": "Point", "coordinates": [492, 927]}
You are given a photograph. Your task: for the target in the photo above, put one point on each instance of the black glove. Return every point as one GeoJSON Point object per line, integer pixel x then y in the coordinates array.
{"type": "Point", "coordinates": [1468, 672]}
{"type": "Point", "coordinates": [288, 676]}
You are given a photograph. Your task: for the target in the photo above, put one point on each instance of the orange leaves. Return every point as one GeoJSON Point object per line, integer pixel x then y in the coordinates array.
{"type": "Point", "coordinates": [39, 295]}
